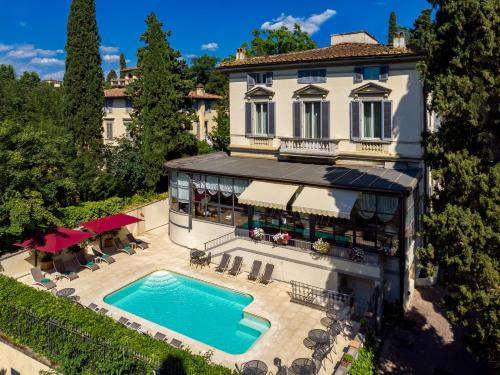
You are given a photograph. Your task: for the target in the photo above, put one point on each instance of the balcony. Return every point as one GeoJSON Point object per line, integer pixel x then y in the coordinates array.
{"type": "Point", "coordinates": [309, 147]}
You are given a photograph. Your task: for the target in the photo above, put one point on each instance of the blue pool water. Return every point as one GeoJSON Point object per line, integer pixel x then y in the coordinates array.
{"type": "Point", "coordinates": [202, 311]}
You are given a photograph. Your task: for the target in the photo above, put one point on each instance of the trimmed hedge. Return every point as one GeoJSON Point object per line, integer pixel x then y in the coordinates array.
{"type": "Point", "coordinates": [31, 326]}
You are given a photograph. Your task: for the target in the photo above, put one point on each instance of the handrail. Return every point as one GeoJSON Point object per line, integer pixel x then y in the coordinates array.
{"type": "Point", "coordinates": [219, 241]}
{"type": "Point", "coordinates": [318, 297]}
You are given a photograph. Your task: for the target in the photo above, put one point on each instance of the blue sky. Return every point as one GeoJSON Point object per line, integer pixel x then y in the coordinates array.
{"type": "Point", "coordinates": [33, 32]}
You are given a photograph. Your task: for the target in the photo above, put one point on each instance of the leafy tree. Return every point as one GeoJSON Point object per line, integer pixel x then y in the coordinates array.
{"type": "Point", "coordinates": [83, 93]}
{"type": "Point", "coordinates": [220, 133]}
{"type": "Point", "coordinates": [160, 121]}
{"type": "Point", "coordinates": [393, 27]}
{"type": "Point", "coordinates": [460, 72]}
{"type": "Point", "coordinates": [201, 68]}
{"type": "Point", "coordinates": [282, 40]}
{"type": "Point", "coordinates": [111, 76]}
{"type": "Point", "coordinates": [123, 65]}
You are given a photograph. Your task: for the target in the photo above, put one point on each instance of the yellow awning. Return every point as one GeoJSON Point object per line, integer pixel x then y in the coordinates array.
{"type": "Point", "coordinates": [267, 194]}
{"type": "Point", "coordinates": [325, 202]}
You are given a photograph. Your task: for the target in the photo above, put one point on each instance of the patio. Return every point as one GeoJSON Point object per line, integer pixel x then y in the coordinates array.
{"type": "Point", "coordinates": [290, 322]}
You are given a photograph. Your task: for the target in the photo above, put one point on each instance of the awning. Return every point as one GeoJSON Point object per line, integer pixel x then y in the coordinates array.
{"type": "Point", "coordinates": [55, 241]}
{"type": "Point", "coordinates": [107, 223]}
{"type": "Point", "coordinates": [325, 202]}
{"type": "Point", "coordinates": [267, 194]}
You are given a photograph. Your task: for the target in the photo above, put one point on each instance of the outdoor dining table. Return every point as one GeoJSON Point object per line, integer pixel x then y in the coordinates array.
{"type": "Point", "coordinates": [333, 314]}
{"type": "Point", "coordinates": [303, 366]}
{"type": "Point", "coordinates": [66, 292]}
{"type": "Point", "coordinates": [319, 336]}
{"type": "Point", "coordinates": [254, 368]}
{"type": "Point", "coordinates": [197, 254]}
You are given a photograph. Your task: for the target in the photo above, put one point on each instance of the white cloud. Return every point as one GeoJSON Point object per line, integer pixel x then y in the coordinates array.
{"type": "Point", "coordinates": [22, 23]}
{"type": "Point", "coordinates": [5, 47]}
{"type": "Point", "coordinates": [109, 49]}
{"type": "Point", "coordinates": [48, 61]}
{"type": "Point", "coordinates": [310, 25]}
{"type": "Point", "coordinates": [59, 75]}
{"type": "Point", "coordinates": [111, 58]}
{"type": "Point", "coordinates": [26, 51]}
{"type": "Point", "coordinates": [212, 46]}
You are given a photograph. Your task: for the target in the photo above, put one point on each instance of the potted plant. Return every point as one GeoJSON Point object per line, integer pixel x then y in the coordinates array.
{"type": "Point", "coordinates": [321, 246]}
{"type": "Point", "coordinates": [346, 360]}
{"type": "Point", "coordinates": [282, 238]}
{"type": "Point", "coordinates": [257, 234]}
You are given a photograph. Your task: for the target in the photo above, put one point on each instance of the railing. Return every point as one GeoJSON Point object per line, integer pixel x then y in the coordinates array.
{"type": "Point", "coordinates": [219, 241]}
{"type": "Point", "coordinates": [261, 141]}
{"type": "Point", "coordinates": [372, 147]}
{"type": "Point", "coordinates": [317, 297]}
{"type": "Point", "coordinates": [308, 146]}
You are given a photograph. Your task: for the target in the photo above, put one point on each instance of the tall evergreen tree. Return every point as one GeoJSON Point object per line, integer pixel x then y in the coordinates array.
{"type": "Point", "coordinates": [460, 72]}
{"type": "Point", "coordinates": [83, 91]}
{"type": "Point", "coordinates": [123, 65]}
{"type": "Point", "coordinates": [111, 76]}
{"type": "Point", "coordinates": [393, 27]}
{"type": "Point", "coordinates": [159, 98]}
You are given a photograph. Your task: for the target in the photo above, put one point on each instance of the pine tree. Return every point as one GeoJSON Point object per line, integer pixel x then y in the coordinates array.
{"type": "Point", "coordinates": [159, 98]}
{"type": "Point", "coordinates": [83, 92]}
{"type": "Point", "coordinates": [393, 27]}
{"type": "Point", "coordinates": [460, 72]}
{"type": "Point", "coordinates": [123, 65]}
{"type": "Point", "coordinates": [111, 76]}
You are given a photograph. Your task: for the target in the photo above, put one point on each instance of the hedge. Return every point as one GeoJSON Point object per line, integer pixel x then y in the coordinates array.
{"type": "Point", "coordinates": [40, 320]}
{"type": "Point", "coordinates": [72, 216]}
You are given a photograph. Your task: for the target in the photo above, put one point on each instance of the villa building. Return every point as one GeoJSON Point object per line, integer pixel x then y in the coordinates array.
{"type": "Point", "coordinates": [325, 144]}
{"type": "Point", "coordinates": [204, 105]}
{"type": "Point", "coordinates": [117, 109]}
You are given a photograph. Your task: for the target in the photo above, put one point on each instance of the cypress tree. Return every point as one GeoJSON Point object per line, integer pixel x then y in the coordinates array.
{"type": "Point", "coordinates": [123, 65]}
{"type": "Point", "coordinates": [393, 27]}
{"type": "Point", "coordinates": [111, 75]}
{"type": "Point", "coordinates": [159, 98]}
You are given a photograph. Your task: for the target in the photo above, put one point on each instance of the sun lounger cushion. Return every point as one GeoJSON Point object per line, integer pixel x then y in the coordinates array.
{"type": "Point", "coordinates": [45, 280]}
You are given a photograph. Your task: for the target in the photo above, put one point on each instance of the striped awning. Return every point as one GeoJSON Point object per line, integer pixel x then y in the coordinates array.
{"type": "Point", "coordinates": [325, 202]}
{"type": "Point", "coordinates": [267, 194]}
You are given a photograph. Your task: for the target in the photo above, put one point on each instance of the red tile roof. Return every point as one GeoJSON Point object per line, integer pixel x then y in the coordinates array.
{"type": "Point", "coordinates": [206, 95]}
{"type": "Point", "coordinates": [119, 92]}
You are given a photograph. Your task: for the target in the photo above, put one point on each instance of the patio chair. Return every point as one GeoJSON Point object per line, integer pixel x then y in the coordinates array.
{"type": "Point", "coordinates": [224, 263]}
{"type": "Point", "coordinates": [84, 262]}
{"type": "Point", "coordinates": [208, 259]}
{"type": "Point", "coordinates": [103, 311]}
{"type": "Point", "coordinates": [102, 256]}
{"type": "Point", "coordinates": [40, 279]}
{"type": "Point", "coordinates": [139, 243]}
{"type": "Point", "coordinates": [267, 277]}
{"type": "Point", "coordinates": [63, 271]}
{"type": "Point", "coordinates": [123, 320]}
{"type": "Point", "coordinates": [176, 343]}
{"type": "Point", "coordinates": [134, 326]}
{"type": "Point", "coordinates": [120, 246]}
{"type": "Point", "coordinates": [93, 307]}
{"type": "Point", "coordinates": [160, 336]}
{"type": "Point", "coordinates": [255, 271]}
{"type": "Point", "coordinates": [236, 268]}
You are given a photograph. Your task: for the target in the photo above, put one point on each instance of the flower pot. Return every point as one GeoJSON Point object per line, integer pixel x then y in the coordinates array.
{"type": "Point", "coordinates": [344, 363]}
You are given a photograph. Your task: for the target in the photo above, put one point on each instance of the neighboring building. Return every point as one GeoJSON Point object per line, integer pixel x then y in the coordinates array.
{"type": "Point", "coordinates": [129, 74]}
{"type": "Point", "coordinates": [54, 82]}
{"type": "Point", "coordinates": [325, 144]}
{"type": "Point", "coordinates": [204, 104]}
{"type": "Point", "coordinates": [117, 109]}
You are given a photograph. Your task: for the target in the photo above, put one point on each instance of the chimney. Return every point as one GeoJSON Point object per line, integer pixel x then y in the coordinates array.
{"type": "Point", "coordinates": [200, 90]}
{"type": "Point", "coordinates": [399, 40]}
{"type": "Point", "coordinates": [240, 54]}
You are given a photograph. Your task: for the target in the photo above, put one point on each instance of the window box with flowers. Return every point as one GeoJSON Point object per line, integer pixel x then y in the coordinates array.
{"type": "Point", "coordinates": [282, 238]}
{"type": "Point", "coordinates": [321, 246]}
{"type": "Point", "coordinates": [257, 234]}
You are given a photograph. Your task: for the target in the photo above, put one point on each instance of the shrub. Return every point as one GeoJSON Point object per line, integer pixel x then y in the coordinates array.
{"type": "Point", "coordinates": [28, 316]}
{"type": "Point", "coordinates": [365, 364]}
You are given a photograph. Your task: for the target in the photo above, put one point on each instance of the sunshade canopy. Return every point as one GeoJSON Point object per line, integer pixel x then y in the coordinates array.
{"type": "Point", "coordinates": [107, 223]}
{"type": "Point", "coordinates": [268, 194]}
{"type": "Point", "coordinates": [325, 202]}
{"type": "Point", "coordinates": [55, 241]}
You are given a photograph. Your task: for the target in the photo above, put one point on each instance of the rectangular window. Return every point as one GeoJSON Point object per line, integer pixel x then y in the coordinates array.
{"type": "Point", "coordinates": [261, 118]}
{"type": "Point", "coordinates": [208, 106]}
{"type": "Point", "coordinates": [312, 76]}
{"type": "Point", "coordinates": [312, 123]}
{"type": "Point", "coordinates": [260, 79]}
{"type": "Point", "coordinates": [108, 105]}
{"type": "Point", "coordinates": [109, 130]}
{"type": "Point", "coordinates": [372, 119]}
{"type": "Point", "coordinates": [371, 72]}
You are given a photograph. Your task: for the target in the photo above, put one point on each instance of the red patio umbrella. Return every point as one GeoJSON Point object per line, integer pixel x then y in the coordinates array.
{"type": "Point", "coordinates": [107, 223]}
{"type": "Point", "coordinates": [56, 241]}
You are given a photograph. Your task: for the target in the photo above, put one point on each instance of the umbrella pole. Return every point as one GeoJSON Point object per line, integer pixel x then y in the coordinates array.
{"type": "Point", "coordinates": [100, 240]}
{"type": "Point", "coordinates": [36, 258]}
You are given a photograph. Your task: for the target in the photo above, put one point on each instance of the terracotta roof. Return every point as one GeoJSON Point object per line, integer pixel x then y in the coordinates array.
{"type": "Point", "coordinates": [132, 68]}
{"type": "Point", "coordinates": [338, 51]}
{"type": "Point", "coordinates": [119, 92]}
{"type": "Point", "coordinates": [194, 95]}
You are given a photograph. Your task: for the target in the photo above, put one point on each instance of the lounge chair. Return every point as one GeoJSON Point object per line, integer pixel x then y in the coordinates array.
{"type": "Point", "coordinates": [62, 271]}
{"type": "Point", "coordinates": [102, 256]}
{"type": "Point", "coordinates": [139, 243]}
{"type": "Point", "coordinates": [134, 326]}
{"type": "Point", "coordinates": [224, 263]}
{"type": "Point", "coordinates": [236, 268]}
{"type": "Point", "coordinates": [176, 343]}
{"type": "Point", "coordinates": [267, 277]}
{"type": "Point", "coordinates": [93, 307]}
{"type": "Point", "coordinates": [120, 246]}
{"type": "Point", "coordinates": [255, 271]}
{"type": "Point", "coordinates": [103, 311]}
{"type": "Point", "coordinates": [41, 280]}
{"type": "Point", "coordinates": [123, 320]}
{"type": "Point", "coordinates": [82, 260]}
{"type": "Point", "coordinates": [160, 336]}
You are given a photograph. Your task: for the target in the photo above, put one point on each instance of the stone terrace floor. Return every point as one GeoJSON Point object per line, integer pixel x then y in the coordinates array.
{"type": "Point", "coordinates": [290, 322]}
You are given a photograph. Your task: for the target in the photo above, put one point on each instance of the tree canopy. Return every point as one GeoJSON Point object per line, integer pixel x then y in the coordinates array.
{"type": "Point", "coordinates": [392, 27]}
{"type": "Point", "coordinates": [111, 76]}
{"type": "Point", "coordinates": [123, 65]}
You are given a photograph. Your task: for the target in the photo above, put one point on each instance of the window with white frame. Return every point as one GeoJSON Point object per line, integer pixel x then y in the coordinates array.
{"type": "Point", "coordinates": [312, 120]}
{"type": "Point", "coordinates": [109, 130]}
{"type": "Point", "coordinates": [261, 118]}
{"type": "Point", "coordinates": [372, 119]}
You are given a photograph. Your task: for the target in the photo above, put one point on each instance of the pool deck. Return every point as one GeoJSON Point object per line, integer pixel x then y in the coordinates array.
{"type": "Point", "coordinates": [290, 322]}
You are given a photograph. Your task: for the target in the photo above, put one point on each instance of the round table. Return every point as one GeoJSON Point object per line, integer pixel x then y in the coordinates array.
{"type": "Point", "coordinates": [303, 366]}
{"type": "Point", "coordinates": [197, 254]}
{"type": "Point", "coordinates": [333, 314]}
{"type": "Point", "coordinates": [254, 368]}
{"type": "Point", "coordinates": [66, 292]}
{"type": "Point", "coordinates": [319, 336]}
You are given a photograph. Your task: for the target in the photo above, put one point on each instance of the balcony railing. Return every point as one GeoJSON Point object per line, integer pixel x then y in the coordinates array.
{"type": "Point", "coordinates": [303, 146]}
{"type": "Point", "coordinates": [318, 297]}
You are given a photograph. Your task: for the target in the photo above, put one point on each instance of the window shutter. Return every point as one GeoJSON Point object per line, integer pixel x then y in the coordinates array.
{"type": "Point", "coordinates": [358, 74]}
{"type": "Point", "coordinates": [304, 76]}
{"type": "Point", "coordinates": [384, 73]}
{"type": "Point", "coordinates": [296, 119]}
{"type": "Point", "coordinates": [387, 113]}
{"type": "Point", "coordinates": [355, 123]}
{"type": "Point", "coordinates": [269, 78]}
{"type": "Point", "coordinates": [250, 80]}
{"type": "Point", "coordinates": [248, 118]}
{"type": "Point", "coordinates": [272, 118]}
{"type": "Point", "coordinates": [325, 119]}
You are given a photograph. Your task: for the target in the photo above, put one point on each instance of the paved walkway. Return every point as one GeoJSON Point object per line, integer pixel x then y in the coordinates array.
{"type": "Point", "coordinates": [290, 322]}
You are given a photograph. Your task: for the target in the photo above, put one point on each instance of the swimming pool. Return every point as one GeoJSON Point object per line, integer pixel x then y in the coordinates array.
{"type": "Point", "coordinates": [202, 311]}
